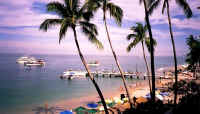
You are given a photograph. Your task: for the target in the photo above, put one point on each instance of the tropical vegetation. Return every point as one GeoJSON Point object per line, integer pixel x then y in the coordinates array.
{"type": "Point", "coordinates": [73, 16]}
{"type": "Point", "coordinates": [188, 12]}
{"type": "Point", "coordinates": [149, 6]}
{"type": "Point", "coordinates": [139, 35]}
{"type": "Point", "coordinates": [193, 56]}
{"type": "Point", "coordinates": [117, 13]}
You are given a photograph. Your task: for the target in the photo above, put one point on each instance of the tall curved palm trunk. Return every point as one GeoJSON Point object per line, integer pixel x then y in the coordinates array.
{"type": "Point", "coordinates": [174, 51]}
{"type": "Point", "coordinates": [89, 73]}
{"type": "Point", "coordinates": [147, 67]}
{"type": "Point", "coordinates": [117, 62]}
{"type": "Point", "coordinates": [151, 51]}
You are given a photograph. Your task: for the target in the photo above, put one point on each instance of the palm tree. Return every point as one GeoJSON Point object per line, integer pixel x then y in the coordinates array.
{"type": "Point", "coordinates": [193, 56]}
{"type": "Point", "coordinates": [117, 13]}
{"type": "Point", "coordinates": [188, 12]}
{"type": "Point", "coordinates": [72, 15]}
{"type": "Point", "coordinates": [139, 35]}
{"type": "Point", "coordinates": [149, 6]}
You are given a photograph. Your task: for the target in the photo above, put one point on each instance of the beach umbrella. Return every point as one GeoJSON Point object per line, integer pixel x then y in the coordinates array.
{"type": "Point", "coordinates": [92, 105]}
{"type": "Point", "coordinates": [66, 112]}
{"type": "Point", "coordinates": [79, 109]}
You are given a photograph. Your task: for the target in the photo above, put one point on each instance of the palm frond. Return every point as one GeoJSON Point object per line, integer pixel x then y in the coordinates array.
{"type": "Point", "coordinates": [72, 5]}
{"type": "Point", "coordinates": [145, 28]}
{"type": "Point", "coordinates": [90, 30]}
{"type": "Point", "coordinates": [131, 45]}
{"type": "Point", "coordinates": [139, 35]}
{"type": "Point", "coordinates": [134, 43]}
{"type": "Point", "coordinates": [186, 8]}
{"type": "Point", "coordinates": [164, 6]}
{"type": "Point", "coordinates": [133, 28]}
{"type": "Point", "coordinates": [116, 12]}
{"type": "Point", "coordinates": [153, 6]}
{"type": "Point", "coordinates": [87, 15]}
{"type": "Point", "coordinates": [147, 42]}
{"type": "Point", "coordinates": [63, 29]}
{"type": "Point", "coordinates": [57, 8]}
{"type": "Point", "coordinates": [92, 27]}
{"type": "Point", "coordinates": [50, 22]}
{"type": "Point", "coordinates": [130, 36]}
{"type": "Point", "coordinates": [193, 56]}
{"type": "Point", "coordinates": [92, 5]}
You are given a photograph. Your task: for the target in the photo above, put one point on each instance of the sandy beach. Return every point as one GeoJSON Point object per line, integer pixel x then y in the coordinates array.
{"type": "Point", "coordinates": [137, 90]}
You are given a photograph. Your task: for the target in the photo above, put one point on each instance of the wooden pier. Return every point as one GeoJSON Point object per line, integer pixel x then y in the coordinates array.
{"type": "Point", "coordinates": [108, 74]}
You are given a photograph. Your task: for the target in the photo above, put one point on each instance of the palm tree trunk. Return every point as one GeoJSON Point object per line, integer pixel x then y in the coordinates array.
{"type": "Point", "coordinates": [145, 60]}
{"type": "Point", "coordinates": [174, 51]}
{"type": "Point", "coordinates": [89, 73]}
{"type": "Point", "coordinates": [151, 52]}
{"type": "Point", "coordinates": [194, 73]}
{"type": "Point", "coordinates": [117, 62]}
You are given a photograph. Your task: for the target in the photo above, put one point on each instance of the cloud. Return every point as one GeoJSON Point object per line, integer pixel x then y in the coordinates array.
{"type": "Point", "coordinates": [25, 16]}
{"type": "Point", "coordinates": [187, 23]}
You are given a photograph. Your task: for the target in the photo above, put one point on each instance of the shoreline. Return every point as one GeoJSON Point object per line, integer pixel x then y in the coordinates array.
{"type": "Point", "coordinates": [137, 90]}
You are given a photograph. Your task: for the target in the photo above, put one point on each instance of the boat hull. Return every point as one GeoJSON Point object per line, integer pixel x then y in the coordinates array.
{"type": "Point", "coordinates": [73, 74]}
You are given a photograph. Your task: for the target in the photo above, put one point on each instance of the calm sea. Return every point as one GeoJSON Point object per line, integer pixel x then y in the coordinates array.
{"type": "Point", "coordinates": [23, 88]}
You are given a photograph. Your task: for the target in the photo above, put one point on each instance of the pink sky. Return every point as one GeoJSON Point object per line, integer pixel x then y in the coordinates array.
{"type": "Point", "coordinates": [19, 29]}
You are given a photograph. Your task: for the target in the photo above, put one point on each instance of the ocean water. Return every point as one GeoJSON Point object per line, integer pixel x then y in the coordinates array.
{"type": "Point", "coordinates": [22, 88]}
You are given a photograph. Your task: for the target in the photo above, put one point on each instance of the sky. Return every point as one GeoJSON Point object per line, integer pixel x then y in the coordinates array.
{"type": "Point", "coordinates": [20, 21]}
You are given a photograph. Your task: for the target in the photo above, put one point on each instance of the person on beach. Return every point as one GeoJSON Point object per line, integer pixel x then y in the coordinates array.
{"type": "Point", "coordinates": [121, 89]}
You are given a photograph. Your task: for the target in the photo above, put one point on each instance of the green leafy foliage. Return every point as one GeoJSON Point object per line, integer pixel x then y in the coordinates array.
{"type": "Point", "coordinates": [193, 56]}
{"type": "Point", "coordinates": [72, 15]}
{"type": "Point", "coordinates": [139, 35]}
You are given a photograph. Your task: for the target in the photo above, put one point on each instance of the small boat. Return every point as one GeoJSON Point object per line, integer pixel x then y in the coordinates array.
{"type": "Point", "coordinates": [23, 60]}
{"type": "Point", "coordinates": [30, 61]}
{"type": "Point", "coordinates": [95, 63]}
{"type": "Point", "coordinates": [35, 62]}
{"type": "Point", "coordinates": [71, 74]}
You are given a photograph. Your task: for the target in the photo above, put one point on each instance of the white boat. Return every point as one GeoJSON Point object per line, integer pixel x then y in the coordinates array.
{"type": "Point", "coordinates": [35, 62]}
{"type": "Point", "coordinates": [70, 74]}
{"type": "Point", "coordinates": [30, 61]}
{"type": "Point", "coordinates": [23, 60]}
{"type": "Point", "coordinates": [96, 63]}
